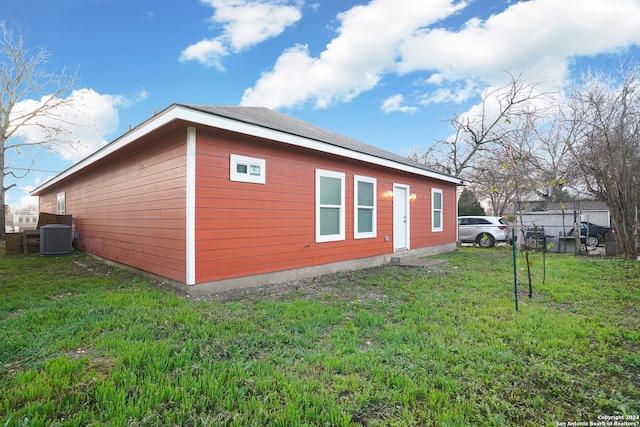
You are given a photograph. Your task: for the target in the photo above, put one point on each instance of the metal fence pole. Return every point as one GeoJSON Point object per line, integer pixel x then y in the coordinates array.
{"type": "Point", "coordinates": [515, 267]}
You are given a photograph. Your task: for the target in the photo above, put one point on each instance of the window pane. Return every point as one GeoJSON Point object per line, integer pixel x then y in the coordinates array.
{"type": "Point", "coordinates": [365, 220]}
{"type": "Point", "coordinates": [240, 168]}
{"type": "Point", "coordinates": [437, 220]}
{"type": "Point", "coordinates": [330, 191]}
{"type": "Point", "coordinates": [329, 221]}
{"type": "Point", "coordinates": [365, 193]}
{"type": "Point", "coordinates": [437, 200]}
{"type": "Point", "coordinates": [255, 170]}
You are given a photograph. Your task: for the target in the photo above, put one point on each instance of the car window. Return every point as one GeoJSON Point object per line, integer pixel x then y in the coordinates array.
{"type": "Point", "coordinates": [463, 221]}
{"type": "Point", "coordinates": [483, 221]}
{"type": "Point", "coordinates": [503, 221]}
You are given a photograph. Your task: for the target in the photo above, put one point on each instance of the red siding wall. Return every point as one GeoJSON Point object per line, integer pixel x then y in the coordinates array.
{"type": "Point", "coordinates": [245, 228]}
{"type": "Point", "coordinates": [132, 209]}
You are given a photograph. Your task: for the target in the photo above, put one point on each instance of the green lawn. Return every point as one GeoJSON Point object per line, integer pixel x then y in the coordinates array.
{"type": "Point", "coordinates": [84, 344]}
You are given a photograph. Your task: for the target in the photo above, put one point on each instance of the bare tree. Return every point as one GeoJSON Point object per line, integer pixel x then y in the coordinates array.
{"type": "Point", "coordinates": [493, 179]}
{"type": "Point", "coordinates": [520, 167]}
{"type": "Point", "coordinates": [605, 113]}
{"type": "Point", "coordinates": [40, 123]}
{"type": "Point", "coordinates": [483, 128]}
{"type": "Point", "coordinates": [552, 166]}
{"type": "Point", "coordinates": [490, 139]}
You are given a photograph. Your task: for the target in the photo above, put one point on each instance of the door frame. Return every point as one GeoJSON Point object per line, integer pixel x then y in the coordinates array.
{"type": "Point", "coordinates": [407, 223]}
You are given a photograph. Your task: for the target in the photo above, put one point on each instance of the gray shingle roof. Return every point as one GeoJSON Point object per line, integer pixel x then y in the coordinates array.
{"type": "Point", "coordinates": [252, 116]}
{"type": "Point", "coordinates": [270, 119]}
{"type": "Point", "coordinates": [585, 205]}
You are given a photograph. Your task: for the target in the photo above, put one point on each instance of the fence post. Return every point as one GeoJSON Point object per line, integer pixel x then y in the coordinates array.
{"type": "Point", "coordinates": [515, 267]}
{"type": "Point", "coordinates": [544, 255]}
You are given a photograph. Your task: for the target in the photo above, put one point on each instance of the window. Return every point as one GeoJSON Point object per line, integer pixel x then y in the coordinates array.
{"type": "Point", "coordinates": [436, 210]}
{"type": "Point", "coordinates": [247, 169]}
{"type": "Point", "coordinates": [60, 203]}
{"type": "Point", "coordinates": [364, 207]}
{"type": "Point", "coordinates": [330, 212]}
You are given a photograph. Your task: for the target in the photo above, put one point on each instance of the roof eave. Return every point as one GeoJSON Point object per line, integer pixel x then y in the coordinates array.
{"type": "Point", "coordinates": [182, 112]}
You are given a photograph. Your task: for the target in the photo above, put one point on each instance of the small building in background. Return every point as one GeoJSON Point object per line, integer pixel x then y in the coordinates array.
{"type": "Point", "coordinates": [557, 222]}
{"type": "Point", "coordinates": [25, 220]}
{"type": "Point", "coordinates": [593, 211]}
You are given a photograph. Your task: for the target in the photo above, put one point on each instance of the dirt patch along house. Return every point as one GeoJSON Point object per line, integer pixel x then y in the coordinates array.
{"type": "Point", "coordinates": [215, 198]}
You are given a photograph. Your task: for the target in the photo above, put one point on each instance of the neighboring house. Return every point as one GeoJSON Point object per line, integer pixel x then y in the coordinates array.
{"type": "Point", "coordinates": [215, 198]}
{"type": "Point", "coordinates": [25, 220]}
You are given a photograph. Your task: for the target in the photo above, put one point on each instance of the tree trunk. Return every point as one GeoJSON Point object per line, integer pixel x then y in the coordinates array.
{"type": "Point", "coordinates": [3, 225]}
{"type": "Point", "coordinates": [625, 228]}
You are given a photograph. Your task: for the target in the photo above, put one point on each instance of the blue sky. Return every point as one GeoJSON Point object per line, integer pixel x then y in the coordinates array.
{"type": "Point", "coordinates": [386, 72]}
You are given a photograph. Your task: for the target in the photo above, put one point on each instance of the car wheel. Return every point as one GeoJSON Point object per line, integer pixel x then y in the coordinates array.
{"type": "Point", "coordinates": [592, 242]}
{"type": "Point", "coordinates": [485, 240]}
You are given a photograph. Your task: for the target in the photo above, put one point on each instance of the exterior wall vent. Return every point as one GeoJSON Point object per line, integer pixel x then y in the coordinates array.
{"type": "Point", "coordinates": [56, 239]}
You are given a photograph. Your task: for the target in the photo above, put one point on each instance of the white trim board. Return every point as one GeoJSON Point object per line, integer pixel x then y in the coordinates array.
{"type": "Point", "coordinates": [179, 112]}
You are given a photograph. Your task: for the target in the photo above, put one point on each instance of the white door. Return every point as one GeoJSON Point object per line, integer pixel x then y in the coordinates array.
{"type": "Point", "coordinates": [400, 217]}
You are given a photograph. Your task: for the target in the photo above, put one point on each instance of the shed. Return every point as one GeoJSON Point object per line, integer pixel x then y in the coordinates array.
{"type": "Point", "coordinates": [593, 211]}
{"type": "Point", "coordinates": [559, 220]}
{"type": "Point", "coordinates": [555, 222]}
{"type": "Point", "coordinates": [214, 198]}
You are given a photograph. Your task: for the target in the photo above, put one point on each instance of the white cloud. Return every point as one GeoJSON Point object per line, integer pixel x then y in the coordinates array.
{"type": "Point", "coordinates": [82, 122]}
{"type": "Point", "coordinates": [457, 92]}
{"type": "Point", "coordinates": [245, 23]}
{"type": "Point", "coordinates": [207, 52]}
{"type": "Point", "coordinates": [365, 49]}
{"type": "Point", "coordinates": [25, 200]}
{"type": "Point", "coordinates": [394, 103]}
{"type": "Point", "coordinates": [541, 37]}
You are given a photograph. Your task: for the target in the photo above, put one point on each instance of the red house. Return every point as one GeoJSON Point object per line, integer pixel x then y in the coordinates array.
{"type": "Point", "coordinates": [215, 198]}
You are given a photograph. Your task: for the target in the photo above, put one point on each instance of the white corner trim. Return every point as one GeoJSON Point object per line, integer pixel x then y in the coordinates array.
{"type": "Point", "coordinates": [191, 207]}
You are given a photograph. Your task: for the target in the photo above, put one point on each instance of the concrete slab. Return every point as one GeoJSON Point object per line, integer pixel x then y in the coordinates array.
{"type": "Point", "coordinates": [418, 262]}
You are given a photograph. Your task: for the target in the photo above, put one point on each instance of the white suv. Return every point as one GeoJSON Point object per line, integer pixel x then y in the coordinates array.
{"type": "Point", "coordinates": [483, 231]}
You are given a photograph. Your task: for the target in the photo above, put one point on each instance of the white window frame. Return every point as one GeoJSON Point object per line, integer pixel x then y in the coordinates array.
{"type": "Point", "coordinates": [252, 164]}
{"type": "Point", "coordinates": [61, 203]}
{"type": "Point", "coordinates": [438, 211]}
{"type": "Point", "coordinates": [341, 234]}
{"type": "Point", "coordinates": [357, 207]}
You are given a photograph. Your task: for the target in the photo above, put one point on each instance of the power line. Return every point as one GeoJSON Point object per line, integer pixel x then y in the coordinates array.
{"type": "Point", "coordinates": [22, 190]}
{"type": "Point", "coordinates": [34, 170]}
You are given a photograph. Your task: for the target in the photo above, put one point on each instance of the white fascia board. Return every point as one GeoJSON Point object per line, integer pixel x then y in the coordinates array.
{"type": "Point", "coordinates": [139, 131]}
{"type": "Point", "coordinates": [177, 112]}
{"type": "Point", "coordinates": [299, 141]}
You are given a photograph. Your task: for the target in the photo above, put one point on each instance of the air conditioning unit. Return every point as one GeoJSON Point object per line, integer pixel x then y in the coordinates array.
{"type": "Point", "coordinates": [56, 239]}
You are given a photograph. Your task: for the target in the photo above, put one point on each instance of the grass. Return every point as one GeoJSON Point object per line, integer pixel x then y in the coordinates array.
{"type": "Point", "coordinates": [86, 344]}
